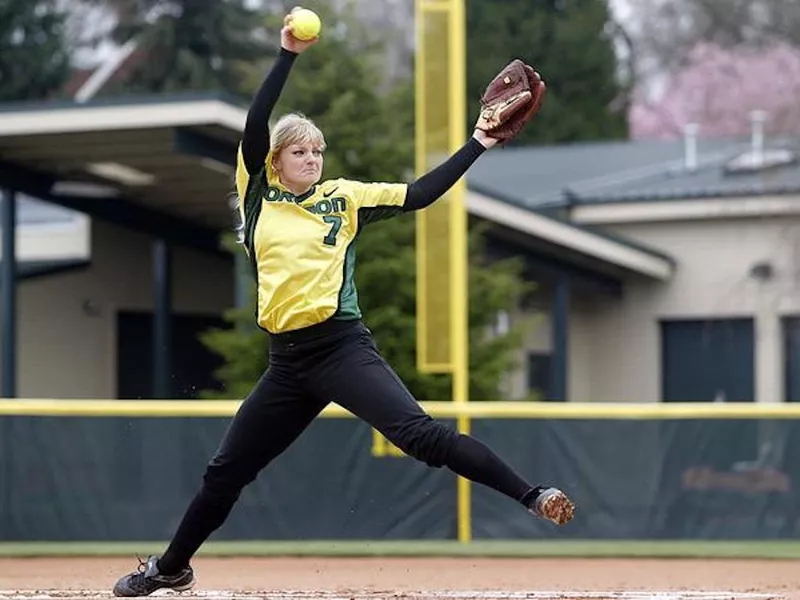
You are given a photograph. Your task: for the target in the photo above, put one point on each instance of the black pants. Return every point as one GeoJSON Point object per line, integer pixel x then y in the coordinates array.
{"type": "Point", "coordinates": [336, 362]}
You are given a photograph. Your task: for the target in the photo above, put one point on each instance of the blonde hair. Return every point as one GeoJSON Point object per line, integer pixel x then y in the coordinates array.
{"type": "Point", "coordinates": [295, 128]}
{"type": "Point", "coordinates": [291, 128]}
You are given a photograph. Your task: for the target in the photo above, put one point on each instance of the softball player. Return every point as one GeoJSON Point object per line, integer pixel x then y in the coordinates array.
{"type": "Point", "coordinates": [298, 233]}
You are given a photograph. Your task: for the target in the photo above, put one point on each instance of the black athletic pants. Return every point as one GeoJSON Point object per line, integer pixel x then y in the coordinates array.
{"type": "Point", "coordinates": [339, 362]}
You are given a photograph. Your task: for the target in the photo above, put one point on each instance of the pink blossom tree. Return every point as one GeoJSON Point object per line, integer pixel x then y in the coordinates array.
{"type": "Point", "coordinates": [718, 88]}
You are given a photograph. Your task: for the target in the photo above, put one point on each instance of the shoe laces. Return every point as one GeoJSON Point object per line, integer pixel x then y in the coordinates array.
{"type": "Point", "coordinates": [138, 580]}
{"type": "Point", "coordinates": [142, 568]}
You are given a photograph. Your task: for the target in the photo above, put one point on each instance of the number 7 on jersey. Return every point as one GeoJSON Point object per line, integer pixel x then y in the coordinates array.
{"type": "Point", "coordinates": [336, 224]}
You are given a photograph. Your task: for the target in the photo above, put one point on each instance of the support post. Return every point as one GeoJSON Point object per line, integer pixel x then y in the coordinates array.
{"type": "Point", "coordinates": [560, 333]}
{"type": "Point", "coordinates": [242, 277]}
{"type": "Point", "coordinates": [162, 319]}
{"type": "Point", "coordinates": [9, 285]}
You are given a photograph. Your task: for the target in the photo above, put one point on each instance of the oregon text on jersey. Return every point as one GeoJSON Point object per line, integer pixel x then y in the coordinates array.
{"type": "Point", "coordinates": [302, 283]}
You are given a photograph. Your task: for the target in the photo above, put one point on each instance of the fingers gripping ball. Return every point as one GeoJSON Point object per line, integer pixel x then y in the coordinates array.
{"type": "Point", "coordinates": [305, 24]}
{"type": "Point", "coordinates": [510, 101]}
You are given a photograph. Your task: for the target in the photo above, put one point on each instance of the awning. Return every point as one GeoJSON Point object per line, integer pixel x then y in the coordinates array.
{"type": "Point", "coordinates": [163, 165]}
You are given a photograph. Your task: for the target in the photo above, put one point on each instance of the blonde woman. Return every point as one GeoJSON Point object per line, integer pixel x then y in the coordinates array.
{"type": "Point", "coordinates": [298, 232]}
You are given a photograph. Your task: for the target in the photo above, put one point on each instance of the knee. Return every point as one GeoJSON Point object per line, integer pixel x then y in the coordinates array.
{"type": "Point", "coordinates": [426, 440]}
{"type": "Point", "coordinates": [224, 480]}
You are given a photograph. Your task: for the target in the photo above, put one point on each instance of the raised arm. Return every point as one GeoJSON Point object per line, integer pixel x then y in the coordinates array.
{"type": "Point", "coordinates": [255, 138]}
{"type": "Point", "coordinates": [511, 99]}
{"type": "Point", "coordinates": [434, 184]}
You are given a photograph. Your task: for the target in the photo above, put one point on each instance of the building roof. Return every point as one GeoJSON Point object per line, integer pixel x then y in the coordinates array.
{"type": "Point", "coordinates": [560, 239]}
{"type": "Point", "coordinates": [164, 165]}
{"type": "Point", "coordinates": [41, 268]}
{"type": "Point", "coordinates": [557, 176]}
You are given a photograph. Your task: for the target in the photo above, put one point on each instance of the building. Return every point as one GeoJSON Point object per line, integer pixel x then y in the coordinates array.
{"type": "Point", "coordinates": [722, 323]}
{"type": "Point", "coordinates": [122, 235]}
{"type": "Point", "coordinates": [665, 270]}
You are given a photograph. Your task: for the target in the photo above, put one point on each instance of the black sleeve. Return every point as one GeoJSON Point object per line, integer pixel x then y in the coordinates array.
{"type": "Point", "coordinates": [255, 139]}
{"type": "Point", "coordinates": [431, 186]}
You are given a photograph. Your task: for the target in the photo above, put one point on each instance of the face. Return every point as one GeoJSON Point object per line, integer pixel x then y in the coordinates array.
{"type": "Point", "coordinates": [299, 166]}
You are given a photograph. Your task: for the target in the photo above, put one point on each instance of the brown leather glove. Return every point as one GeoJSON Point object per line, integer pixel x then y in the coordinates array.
{"type": "Point", "coordinates": [510, 101]}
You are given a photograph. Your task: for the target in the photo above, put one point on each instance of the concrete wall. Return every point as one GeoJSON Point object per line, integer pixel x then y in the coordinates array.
{"type": "Point", "coordinates": [587, 315]}
{"type": "Point", "coordinates": [67, 322]}
{"type": "Point", "coordinates": [67, 327]}
{"type": "Point", "coordinates": [535, 319]}
{"type": "Point", "coordinates": [615, 344]}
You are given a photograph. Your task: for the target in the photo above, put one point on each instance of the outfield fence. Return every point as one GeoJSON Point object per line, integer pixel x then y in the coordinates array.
{"type": "Point", "coordinates": [92, 470]}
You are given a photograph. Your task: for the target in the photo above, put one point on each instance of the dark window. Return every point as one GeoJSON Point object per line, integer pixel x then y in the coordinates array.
{"type": "Point", "coordinates": [707, 360]}
{"type": "Point", "coordinates": [539, 374]}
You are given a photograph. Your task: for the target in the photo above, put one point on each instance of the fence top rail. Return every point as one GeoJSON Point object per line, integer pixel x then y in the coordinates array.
{"type": "Point", "coordinates": [446, 410]}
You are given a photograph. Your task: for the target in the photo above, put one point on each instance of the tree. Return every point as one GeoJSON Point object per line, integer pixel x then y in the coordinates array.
{"type": "Point", "coordinates": [34, 54]}
{"type": "Point", "coordinates": [691, 55]}
{"type": "Point", "coordinates": [370, 137]}
{"type": "Point", "coordinates": [665, 33]}
{"type": "Point", "coordinates": [568, 43]}
{"type": "Point", "coordinates": [185, 45]}
{"type": "Point", "coordinates": [762, 78]}
{"type": "Point", "coordinates": [388, 263]}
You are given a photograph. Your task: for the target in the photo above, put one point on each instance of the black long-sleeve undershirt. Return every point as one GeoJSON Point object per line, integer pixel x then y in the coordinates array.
{"type": "Point", "coordinates": [431, 186]}
{"type": "Point", "coordinates": [255, 139]}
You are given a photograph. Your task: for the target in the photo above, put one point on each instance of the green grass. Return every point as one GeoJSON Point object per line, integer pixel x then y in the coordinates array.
{"type": "Point", "coordinates": [515, 548]}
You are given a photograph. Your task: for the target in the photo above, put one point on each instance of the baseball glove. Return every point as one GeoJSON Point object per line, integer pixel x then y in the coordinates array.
{"type": "Point", "coordinates": [510, 101]}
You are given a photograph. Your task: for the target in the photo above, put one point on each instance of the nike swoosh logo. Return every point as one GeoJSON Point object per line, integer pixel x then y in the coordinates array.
{"type": "Point", "coordinates": [325, 195]}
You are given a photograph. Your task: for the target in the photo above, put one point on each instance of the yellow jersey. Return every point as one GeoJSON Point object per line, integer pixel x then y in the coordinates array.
{"type": "Point", "coordinates": [302, 247]}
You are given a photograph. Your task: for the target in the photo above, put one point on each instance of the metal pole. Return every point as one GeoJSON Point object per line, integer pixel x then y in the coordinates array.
{"type": "Point", "coordinates": [162, 317]}
{"type": "Point", "coordinates": [9, 285]}
{"type": "Point", "coordinates": [8, 281]}
{"type": "Point", "coordinates": [242, 281]}
{"type": "Point", "coordinates": [560, 333]}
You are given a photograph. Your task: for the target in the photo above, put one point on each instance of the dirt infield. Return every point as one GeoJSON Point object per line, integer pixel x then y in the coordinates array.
{"type": "Point", "coordinates": [440, 578]}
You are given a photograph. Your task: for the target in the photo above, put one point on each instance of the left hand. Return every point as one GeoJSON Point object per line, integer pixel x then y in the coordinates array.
{"type": "Point", "coordinates": [484, 138]}
{"type": "Point", "coordinates": [510, 100]}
